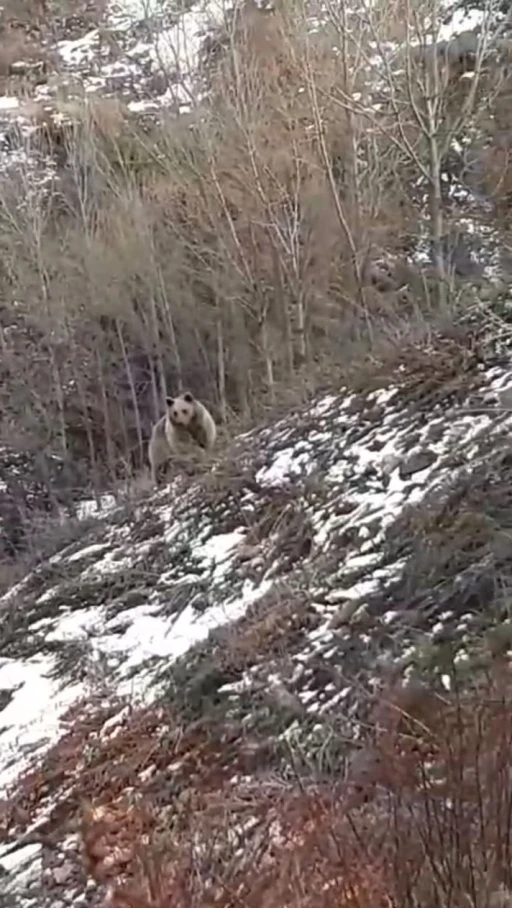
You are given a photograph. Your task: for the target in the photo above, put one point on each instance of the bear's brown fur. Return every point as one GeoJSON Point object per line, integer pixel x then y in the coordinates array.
{"type": "Point", "coordinates": [186, 420]}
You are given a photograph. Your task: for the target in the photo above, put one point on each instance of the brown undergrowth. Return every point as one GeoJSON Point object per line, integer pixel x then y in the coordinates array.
{"type": "Point", "coordinates": [430, 822]}
{"type": "Point", "coordinates": [173, 816]}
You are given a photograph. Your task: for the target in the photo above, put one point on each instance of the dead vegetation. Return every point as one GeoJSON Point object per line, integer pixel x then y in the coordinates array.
{"type": "Point", "coordinates": [432, 827]}
{"type": "Point", "coordinates": [270, 629]}
{"type": "Point", "coordinates": [252, 252]}
{"type": "Point", "coordinates": [422, 815]}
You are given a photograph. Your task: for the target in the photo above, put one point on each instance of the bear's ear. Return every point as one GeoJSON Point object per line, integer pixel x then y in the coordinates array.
{"type": "Point", "coordinates": [188, 398]}
{"type": "Point", "coordinates": [169, 401]}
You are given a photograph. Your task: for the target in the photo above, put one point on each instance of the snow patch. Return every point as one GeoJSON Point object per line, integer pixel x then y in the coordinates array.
{"type": "Point", "coordinates": [82, 50]}
{"type": "Point", "coordinates": [462, 20]}
{"type": "Point", "coordinates": [93, 508]}
{"type": "Point", "coordinates": [31, 721]}
{"type": "Point", "coordinates": [9, 103]}
{"type": "Point", "coordinates": [287, 465]}
{"type": "Point", "coordinates": [23, 867]}
{"type": "Point", "coordinates": [217, 552]}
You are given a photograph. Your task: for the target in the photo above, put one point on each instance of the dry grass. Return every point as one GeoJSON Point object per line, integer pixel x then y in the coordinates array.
{"type": "Point", "coordinates": [215, 256]}
{"type": "Point", "coordinates": [423, 816]}
{"type": "Point", "coordinates": [231, 252]}
{"type": "Point", "coordinates": [24, 12]}
{"type": "Point", "coordinates": [435, 830]}
{"type": "Point", "coordinates": [16, 47]}
{"type": "Point", "coordinates": [268, 630]}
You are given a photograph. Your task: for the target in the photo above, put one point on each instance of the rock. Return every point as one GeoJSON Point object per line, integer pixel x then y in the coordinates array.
{"type": "Point", "coordinates": [436, 431]}
{"type": "Point", "coordinates": [375, 414]}
{"type": "Point", "coordinates": [389, 463]}
{"type": "Point", "coordinates": [413, 439]}
{"type": "Point", "coordinates": [248, 552]}
{"type": "Point", "coordinates": [499, 639]}
{"type": "Point", "coordinates": [505, 398]}
{"type": "Point", "coordinates": [416, 462]}
{"type": "Point", "coordinates": [278, 695]}
{"type": "Point", "coordinates": [345, 613]}
{"type": "Point", "coordinates": [357, 404]}
{"type": "Point", "coordinates": [501, 546]}
{"type": "Point", "coordinates": [62, 874]}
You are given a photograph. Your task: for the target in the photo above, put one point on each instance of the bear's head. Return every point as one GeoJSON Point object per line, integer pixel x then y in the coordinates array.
{"type": "Point", "coordinates": [181, 410]}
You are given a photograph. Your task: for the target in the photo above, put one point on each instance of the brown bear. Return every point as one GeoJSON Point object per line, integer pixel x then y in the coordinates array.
{"type": "Point", "coordinates": [186, 420]}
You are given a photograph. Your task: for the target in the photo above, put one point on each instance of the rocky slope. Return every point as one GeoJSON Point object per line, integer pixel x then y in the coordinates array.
{"type": "Point", "coordinates": [257, 607]}
{"type": "Point", "coordinates": [142, 57]}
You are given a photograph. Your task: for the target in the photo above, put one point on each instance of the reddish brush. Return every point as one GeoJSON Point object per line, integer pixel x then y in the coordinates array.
{"type": "Point", "coordinates": [433, 828]}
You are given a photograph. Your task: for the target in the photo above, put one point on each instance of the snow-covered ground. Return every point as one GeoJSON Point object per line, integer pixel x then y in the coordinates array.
{"type": "Point", "coordinates": [350, 466]}
{"type": "Point", "coordinates": [146, 54]}
{"type": "Point", "coordinates": [116, 57]}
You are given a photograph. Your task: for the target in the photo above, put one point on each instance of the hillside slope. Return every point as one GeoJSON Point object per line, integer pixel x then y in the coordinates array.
{"type": "Point", "coordinates": [236, 624]}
